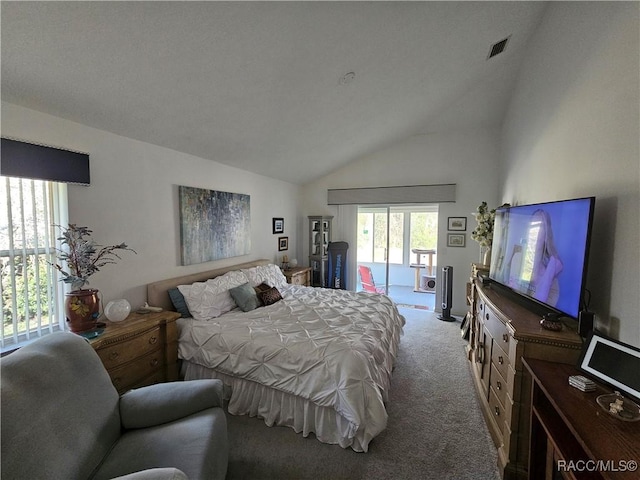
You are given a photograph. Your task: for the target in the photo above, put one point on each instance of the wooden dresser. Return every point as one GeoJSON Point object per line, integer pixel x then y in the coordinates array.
{"type": "Point", "coordinates": [502, 332]}
{"type": "Point", "coordinates": [141, 350]}
{"type": "Point", "coordinates": [298, 276]}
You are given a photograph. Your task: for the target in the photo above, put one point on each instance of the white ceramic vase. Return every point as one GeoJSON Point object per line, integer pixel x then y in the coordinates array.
{"type": "Point", "coordinates": [486, 259]}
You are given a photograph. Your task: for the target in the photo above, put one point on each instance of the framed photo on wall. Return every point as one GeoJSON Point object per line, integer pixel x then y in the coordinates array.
{"type": "Point", "coordinates": [278, 225]}
{"type": "Point", "coordinates": [456, 239]}
{"type": "Point", "coordinates": [457, 224]}
{"type": "Point", "coordinates": [283, 243]}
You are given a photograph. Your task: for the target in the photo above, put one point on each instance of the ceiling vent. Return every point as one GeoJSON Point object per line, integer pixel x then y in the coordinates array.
{"type": "Point", "coordinates": [498, 48]}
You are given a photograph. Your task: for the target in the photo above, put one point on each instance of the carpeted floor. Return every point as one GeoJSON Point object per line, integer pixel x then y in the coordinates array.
{"type": "Point", "coordinates": [435, 428]}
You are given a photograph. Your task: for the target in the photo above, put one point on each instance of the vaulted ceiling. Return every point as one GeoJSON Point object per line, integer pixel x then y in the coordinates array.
{"type": "Point", "coordinates": [291, 90]}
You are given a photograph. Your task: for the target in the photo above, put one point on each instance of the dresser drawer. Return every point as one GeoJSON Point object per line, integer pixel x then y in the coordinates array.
{"type": "Point", "coordinates": [498, 384]}
{"type": "Point", "coordinates": [298, 276]}
{"type": "Point", "coordinates": [499, 359]}
{"type": "Point", "coordinates": [157, 377]}
{"type": "Point", "coordinates": [497, 412]}
{"type": "Point", "coordinates": [123, 352]}
{"type": "Point", "coordinates": [131, 374]}
{"type": "Point", "coordinates": [299, 279]}
{"type": "Point", "coordinates": [497, 329]}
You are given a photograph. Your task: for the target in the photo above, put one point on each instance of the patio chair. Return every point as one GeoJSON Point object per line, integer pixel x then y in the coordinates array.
{"type": "Point", "coordinates": [366, 279]}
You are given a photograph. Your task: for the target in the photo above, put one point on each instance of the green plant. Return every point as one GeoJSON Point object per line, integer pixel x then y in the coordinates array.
{"type": "Point", "coordinates": [83, 256]}
{"type": "Point", "coordinates": [24, 295]}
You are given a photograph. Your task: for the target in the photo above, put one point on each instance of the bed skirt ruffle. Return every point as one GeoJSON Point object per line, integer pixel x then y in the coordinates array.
{"type": "Point", "coordinates": [283, 409]}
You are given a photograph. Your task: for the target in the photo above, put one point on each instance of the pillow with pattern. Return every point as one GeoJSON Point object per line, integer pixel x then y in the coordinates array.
{"type": "Point", "coordinates": [271, 296]}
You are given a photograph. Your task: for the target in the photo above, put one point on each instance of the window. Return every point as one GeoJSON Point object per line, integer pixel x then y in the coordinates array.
{"type": "Point", "coordinates": [424, 230]}
{"type": "Point", "coordinates": [409, 228]}
{"type": "Point", "coordinates": [31, 297]}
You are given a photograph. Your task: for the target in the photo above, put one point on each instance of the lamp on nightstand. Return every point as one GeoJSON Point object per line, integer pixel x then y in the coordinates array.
{"type": "Point", "coordinates": [117, 310]}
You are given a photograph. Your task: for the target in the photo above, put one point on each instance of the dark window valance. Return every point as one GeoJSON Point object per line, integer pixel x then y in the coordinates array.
{"type": "Point", "coordinates": [28, 160]}
{"type": "Point", "coordinates": [409, 194]}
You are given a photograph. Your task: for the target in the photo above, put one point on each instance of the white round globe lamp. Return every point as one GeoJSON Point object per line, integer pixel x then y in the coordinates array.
{"type": "Point", "coordinates": [117, 310]}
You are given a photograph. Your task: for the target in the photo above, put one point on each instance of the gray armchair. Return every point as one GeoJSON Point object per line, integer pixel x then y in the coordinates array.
{"type": "Point", "coordinates": [63, 419]}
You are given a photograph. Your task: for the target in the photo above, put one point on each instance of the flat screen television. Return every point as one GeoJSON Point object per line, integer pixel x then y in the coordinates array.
{"type": "Point", "coordinates": [540, 252]}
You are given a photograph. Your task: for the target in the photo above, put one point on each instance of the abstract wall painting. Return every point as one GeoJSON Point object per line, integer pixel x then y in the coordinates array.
{"type": "Point", "coordinates": [213, 225]}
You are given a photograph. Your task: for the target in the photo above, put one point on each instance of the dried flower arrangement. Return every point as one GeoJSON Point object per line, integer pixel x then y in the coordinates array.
{"type": "Point", "coordinates": [83, 256]}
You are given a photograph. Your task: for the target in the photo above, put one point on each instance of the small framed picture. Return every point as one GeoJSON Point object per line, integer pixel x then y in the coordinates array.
{"type": "Point", "coordinates": [457, 224]}
{"type": "Point", "coordinates": [283, 243]}
{"type": "Point", "coordinates": [455, 239]}
{"type": "Point", "coordinates": [278, 225]}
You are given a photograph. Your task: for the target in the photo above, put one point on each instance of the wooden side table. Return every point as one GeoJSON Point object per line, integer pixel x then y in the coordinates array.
{"type": "Point", "coordinates": [141, 350]}
{"type": "Point", "coordinates": [571, 436]}
{"type": "Point", "coordinates": [298, 276]}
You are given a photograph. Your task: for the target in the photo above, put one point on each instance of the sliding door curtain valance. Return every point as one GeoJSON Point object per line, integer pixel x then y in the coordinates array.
{"type": "Point", "coordinates": [39, 162]}
{"type": "Point", "coordinates": [410, 194]}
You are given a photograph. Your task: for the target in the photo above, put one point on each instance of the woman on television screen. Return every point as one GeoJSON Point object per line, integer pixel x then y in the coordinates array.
{"type": "Point", "coordinates": [535, 265]}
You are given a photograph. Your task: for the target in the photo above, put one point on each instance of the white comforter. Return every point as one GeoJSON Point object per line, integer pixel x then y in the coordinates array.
{"type": "Point", "coordinates": [334, 348]}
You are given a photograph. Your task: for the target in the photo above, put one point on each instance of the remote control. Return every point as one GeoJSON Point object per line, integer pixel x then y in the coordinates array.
{"type": "Point", "coordinates": [580, 378]}
{"type": "Point", "coordinates": [582, 383]}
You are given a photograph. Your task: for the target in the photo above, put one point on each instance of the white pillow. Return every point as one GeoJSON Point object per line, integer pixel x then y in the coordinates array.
{"type": "Point", "coordinates": [269, 274]}
{"type": "Point", "coordinates": [210, 299]}
{"type": "Point", "coordinates": [228, 281]}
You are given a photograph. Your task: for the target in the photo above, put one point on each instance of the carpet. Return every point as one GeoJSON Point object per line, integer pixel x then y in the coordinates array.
{"type": "Point", "coordinates": [435, 428]}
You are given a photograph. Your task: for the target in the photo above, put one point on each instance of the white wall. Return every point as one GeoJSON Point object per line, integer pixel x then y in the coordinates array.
{"type": "Point", "coordinates": [468, 159]}
{"type": "Point", "coordinates": [133, 199]}
{"type": "Point", "coordinates": [573, 130]}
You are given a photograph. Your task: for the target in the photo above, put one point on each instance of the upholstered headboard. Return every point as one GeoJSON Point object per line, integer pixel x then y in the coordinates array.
{"type": "Point", "coordinates": [157, 295]}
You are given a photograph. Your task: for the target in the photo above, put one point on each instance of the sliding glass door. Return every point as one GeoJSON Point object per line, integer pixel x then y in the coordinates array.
{"type": "Point", "coordinates": [388, 237]}
{"type": "Point", "coordinates": [380, 242]}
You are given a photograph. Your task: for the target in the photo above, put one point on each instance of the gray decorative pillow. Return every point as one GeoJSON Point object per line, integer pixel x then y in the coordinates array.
{"type": "Point", "coordinates": [245, 297]}
{"type": "Point", "coordinates": [179, 302]}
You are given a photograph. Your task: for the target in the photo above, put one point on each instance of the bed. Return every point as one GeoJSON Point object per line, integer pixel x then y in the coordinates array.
{"type": "Point", "coordinates": [317, 360]}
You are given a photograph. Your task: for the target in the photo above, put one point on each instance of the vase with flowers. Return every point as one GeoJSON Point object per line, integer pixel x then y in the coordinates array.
{"type": "Point", "coordinates": [80, 257]}
{"type": "Point", "coordinates": [483, 233]}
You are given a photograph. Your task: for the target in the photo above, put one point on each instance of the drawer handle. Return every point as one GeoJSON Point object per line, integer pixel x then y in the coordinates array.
{"type": "Point", "coordinates": [497, 412]}
{"type": "Point", "coordinates": [153, 340]}
{"type": "Point", "coordinates": [499, 385]}
{"type": "Point", "coordinates": [154, 362]}
{"type": "Point", "coordinates": [481, 306]}
{"type": "Point", "coordinates": [500, 360]}
{"type": "Point", "coordinates": [113, 355]}
{"type": "Point", "coordinates": [486, 316]}
{"type": "Point", "coordinates": [505, 337]}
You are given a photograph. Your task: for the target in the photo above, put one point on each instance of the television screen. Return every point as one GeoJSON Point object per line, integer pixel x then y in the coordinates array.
{"type": "Point", "coordinates": [540, 251]}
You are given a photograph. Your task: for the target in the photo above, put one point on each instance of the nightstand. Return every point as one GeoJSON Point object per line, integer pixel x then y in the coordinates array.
{"type": "Point", "coordinates": [141, 350]}
{"type": "Point", "coordinates": [298, 276]}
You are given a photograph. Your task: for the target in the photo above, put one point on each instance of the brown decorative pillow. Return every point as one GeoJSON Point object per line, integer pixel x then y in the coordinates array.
{"type": "Point", "coordinates": [263, 287]}
{"type": "Point", "coordinates": [270, 296]}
